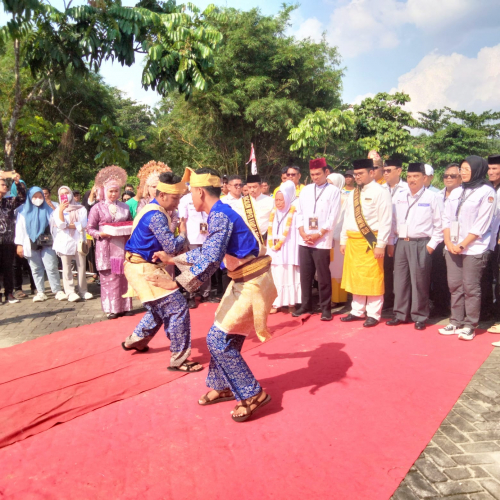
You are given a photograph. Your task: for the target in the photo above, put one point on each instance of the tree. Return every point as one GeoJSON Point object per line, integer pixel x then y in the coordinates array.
{"type": "Point", "coordinates": [178, 42]}
{"type": "Point", "coordinates": [263, 83]}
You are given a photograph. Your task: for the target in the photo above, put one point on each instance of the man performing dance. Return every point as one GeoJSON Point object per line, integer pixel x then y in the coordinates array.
{"type": "Point", "coordinates": [246, 303]}
{"type": "Point", "coordinates": [151, 233]}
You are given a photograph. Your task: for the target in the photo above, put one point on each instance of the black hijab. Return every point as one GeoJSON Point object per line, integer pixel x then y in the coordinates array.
{"type": "Point", "coordinates": [479, 169]}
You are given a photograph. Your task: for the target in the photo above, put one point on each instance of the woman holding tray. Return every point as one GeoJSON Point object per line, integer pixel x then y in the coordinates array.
{"type": "Point", "coordinates": [110, 250]}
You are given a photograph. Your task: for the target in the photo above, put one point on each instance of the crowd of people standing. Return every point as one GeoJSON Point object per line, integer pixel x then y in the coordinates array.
{"type": "Point", "coordinates": [364, 235]}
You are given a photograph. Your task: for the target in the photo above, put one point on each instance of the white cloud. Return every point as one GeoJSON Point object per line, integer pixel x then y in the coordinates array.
{"type": "Point", "coordinates": [359, 26]}
{"type": "Point", "coordinates": [456, 81]}
{"type": "Point", "coordinates": [310, 28]}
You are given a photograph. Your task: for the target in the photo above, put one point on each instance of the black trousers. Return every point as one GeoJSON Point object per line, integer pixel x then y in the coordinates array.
{"type": "Point", "coordinates": [20, 266]}
{"type": "Point", "coordinates": [440, 292]}
{"type": "Point", "coordinates": [314, 260]}
{"type": "Point", "coordinates": [388, 282]}
{"type": "Point", "coordinates": [7, 255]}
{"type": "Point", "coordinates": [487, 305]}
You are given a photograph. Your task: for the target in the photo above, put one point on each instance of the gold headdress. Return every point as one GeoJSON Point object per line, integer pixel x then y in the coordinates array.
{"type": "Point", "coordinates": [149, 174]}
{"type": "Point", "coordinates": [178, 188]}
{"type": "Point", "coordinates": [201, 180]}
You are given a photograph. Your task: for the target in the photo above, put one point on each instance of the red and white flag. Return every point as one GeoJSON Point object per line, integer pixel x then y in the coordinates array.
{"type": "Point", "coordinates": [253, 160]}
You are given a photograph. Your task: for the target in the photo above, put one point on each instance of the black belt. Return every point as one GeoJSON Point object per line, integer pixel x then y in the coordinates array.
{"type": "Point", "coordinates": [415, 239]}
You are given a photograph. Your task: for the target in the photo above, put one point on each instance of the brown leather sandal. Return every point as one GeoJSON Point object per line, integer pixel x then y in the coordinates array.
{"type": "Point", "coordinates": [247, 404]}
{"type": "Point", "coordinates": [224, 395]}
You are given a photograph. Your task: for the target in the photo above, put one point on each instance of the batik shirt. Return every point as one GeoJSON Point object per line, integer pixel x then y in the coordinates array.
{"type": "Point", "coordinates": [153, 234]}
{"type": "Point", "coordinates": [227, 235]}
{"type": "Point", "coordinates": [8, 216]}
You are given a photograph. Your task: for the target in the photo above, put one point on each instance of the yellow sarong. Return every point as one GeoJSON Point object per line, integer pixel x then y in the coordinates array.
{"type": "Point", "coordinates": [363, 274]}
{"type": "Point", "coordinates": [245, 307]}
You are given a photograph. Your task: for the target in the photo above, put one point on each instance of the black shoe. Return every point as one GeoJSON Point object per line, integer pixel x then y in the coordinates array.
{"type": "Point", "coordinates": [113, 316]}
{"type": "Point", "coordinates": [192, 303]}
{"type": "Point", "coordinates": [370, 322]}
{"type": "Point", "coordinates": [396, 322]}
{"type": "Point", "coordinates": [204, 299]}
{"type": "Point", "coordinates": [420, 325]}
{"type": "Point", "coordinates": [350, 317]}
{"type": "Point", "coordinates": [326, 316]}
{"type": "Point", "coordinates": [300, 312]}
{"type": "Point", "coordinates": [128, 313]}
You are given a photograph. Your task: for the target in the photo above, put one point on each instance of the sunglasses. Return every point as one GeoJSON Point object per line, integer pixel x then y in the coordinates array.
{"type": "Point", "coordinates": [388, 170]}
{"type": "Point", "coordinates": [236, 185]}
{"type": "Point", "coordinates": [450, 176]}
{"type": "Point", "coordinates": [291, 175]}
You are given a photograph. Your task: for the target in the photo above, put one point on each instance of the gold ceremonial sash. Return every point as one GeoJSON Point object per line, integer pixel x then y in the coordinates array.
{"type": "Point", "coordinates": [149, 208]}
{"type": "Point", "coordinates": [251, 270]}
{"type": "Point", "coordinates": [363, 227]}
{"type": "Point", "coordinates": [251, 219]}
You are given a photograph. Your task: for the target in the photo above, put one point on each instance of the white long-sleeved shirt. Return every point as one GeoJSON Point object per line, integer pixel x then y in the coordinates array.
{"type": "Point", "coordinates": [376, 206]}
{"type": "Point", "coordinates": [230, 200]}
{"type": "Point", "coordinates": [424, 217]}
{"type": "Point", "coordinates": [400, 186]}
{"type": "Point", "coordinates": [22, 238]}
{"type": "Point", "coordinates": [326, 199]}
{"type": "Point", "coordinates": [193, 220]}
{"type": "Point", "coordinates": [475, 216]}
{"type": "Point", "coordinates": [262, 206]}
{"type": "Point", "coordinates": [66, 240]}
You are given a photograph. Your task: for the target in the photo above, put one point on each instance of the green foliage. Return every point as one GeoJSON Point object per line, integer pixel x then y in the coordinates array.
{"type": "Point", "coordinates": [263, 82]}
{"type": "Point", "coordinates": [41, 131]}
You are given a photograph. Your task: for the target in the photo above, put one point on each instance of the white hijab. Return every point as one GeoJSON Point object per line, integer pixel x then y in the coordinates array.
{"type": "Point", "coordinates": [287, 189]}
{"type": "Point", "coordinates": [338, 180]}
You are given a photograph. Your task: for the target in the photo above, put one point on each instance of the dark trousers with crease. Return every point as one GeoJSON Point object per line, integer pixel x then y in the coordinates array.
{"type": "Point", "coordinates": [314, 260]}
{"type": "Point", "coordinates": [388, 282]}
{"type": "Point", "coordinates": [7, 256]}
{"type": "Point", "coordinates": [412, 278]}
{"type": "Point", "coordinates": [440, 293]}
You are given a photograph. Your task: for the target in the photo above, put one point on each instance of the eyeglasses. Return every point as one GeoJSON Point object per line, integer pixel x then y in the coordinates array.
{"type": "Point", "coordinates": [450, 176]}
{"type": "Point", "coordinates": [291, 175]}
{"type": "Point", "coordinates": [388, 170]}
{"type": "Point", "coordinates": [358, 174]}
{"type": "Point", "coordinates": [237, 186]}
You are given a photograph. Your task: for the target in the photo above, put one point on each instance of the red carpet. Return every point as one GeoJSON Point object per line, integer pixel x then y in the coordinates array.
{"type": "Point", "coordinates": [61, 376]}
{"type": "Point", "coordinates": [352, 409]}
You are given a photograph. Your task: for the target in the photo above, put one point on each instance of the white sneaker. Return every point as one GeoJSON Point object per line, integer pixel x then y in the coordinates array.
{"type": "Point", "coordinates": [448, 330]}
{"type": "Point", "coordinates": [60, 295]}
{"type": "Point", "coordinates": [466, 333]}
{"type": "Point", "coordinates": [87, 296]}
{"type": "Point", "coordinates": [73, 297]}
{"type": "Point", "coordinates": [40, 297]}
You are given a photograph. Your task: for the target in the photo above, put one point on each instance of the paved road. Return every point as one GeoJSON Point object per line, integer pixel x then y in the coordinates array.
{"type": "Point", "coordinates": [461, 462]}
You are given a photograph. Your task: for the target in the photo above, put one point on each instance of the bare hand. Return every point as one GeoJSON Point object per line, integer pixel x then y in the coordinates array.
{"type": "Point", "coordinates": [378, 253]}
{"type": "Point", "coordinates": [162, 281]}
{"type": "Point", "coordinates": [16, 178]}
{"type": "Point", "coordinates": [105, 235]}
{"type": "Point", "coordinates": [63, 206]}
{"type": "Point", "coordinates": [182, 226]}
{"type": "Point", "coordinates": [457, 250]}
{"type": "Point", "coordinates": [430, 250]}
{"type": "Point", "coordinates": [163, 257]}
{"type": "Point", "coordinates": [342, 249]}
{"type": "Point", "coordinates": [390, 250]}
{"type": "Point", "coordinates": [20, 251]}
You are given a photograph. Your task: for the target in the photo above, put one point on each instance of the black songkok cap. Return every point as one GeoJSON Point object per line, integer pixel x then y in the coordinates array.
{"type": "Point", "coordinates": [416, 167]}
{"type": "Point", "coordinates": [494, 160]}
{"type": "Point", "coordinates": [394, 163]}
{"type": "Point", "coordinates": [254, 178]}
{"type": "Point", "coordinates": [363, 163]}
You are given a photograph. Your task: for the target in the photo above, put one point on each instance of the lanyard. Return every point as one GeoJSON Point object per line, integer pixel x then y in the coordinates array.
{"type": "Point", "coordinates": [462, 200]}
{"type": "Point", "coordinates": [395, 189]}
{"type": "Point", "coordinates": [279, 222]}
{"type": "Point", "coordinates": [316, 198]}
{"type": "Point", "coordinates": [408, 201]}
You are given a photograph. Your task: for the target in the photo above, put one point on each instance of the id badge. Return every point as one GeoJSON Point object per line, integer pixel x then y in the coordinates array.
{"type": "Point", "coordinates": [403, 231]}
{"type": "Point", "coordinates": [275, 242]}
{"type": "Point", "coordinates": [454, 230]}
{"type": "Point", "coordinates": [313, 223]}
{"type": "Point", "coordinates": [203, 228]}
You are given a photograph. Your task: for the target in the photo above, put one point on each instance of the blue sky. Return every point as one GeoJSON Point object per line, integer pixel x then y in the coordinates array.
{"type": "Point", "coordinates": [441, 52]}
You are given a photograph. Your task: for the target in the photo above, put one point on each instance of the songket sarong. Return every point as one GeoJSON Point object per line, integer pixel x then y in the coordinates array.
{"type": "Point", "coordinates": [363, 274]}
{"type": "Point", "coordinates": [113, 286]}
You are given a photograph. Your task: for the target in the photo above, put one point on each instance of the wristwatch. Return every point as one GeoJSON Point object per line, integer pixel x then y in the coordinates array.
{"type": "Point", "coordinates": [461, 247]}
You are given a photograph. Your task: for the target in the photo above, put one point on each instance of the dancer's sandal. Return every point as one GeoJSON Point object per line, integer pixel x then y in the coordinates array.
{"type": "Point", "coordinates": [251, 405]}
{"type": "Point", "coordinates": [224, 395]}
{"type": "Point", "coordinates": [186, 367]}
{"type": "Point", "coordinates": [134, 348]}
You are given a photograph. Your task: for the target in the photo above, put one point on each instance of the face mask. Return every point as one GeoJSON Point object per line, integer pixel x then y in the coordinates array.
{"type": "Point", "coordinates": [37, 202]}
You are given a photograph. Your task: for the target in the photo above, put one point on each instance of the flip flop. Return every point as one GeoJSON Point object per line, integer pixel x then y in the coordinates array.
{"type": "Point", "coordinates": [190, 365]}
{"type": "Point", "coordinates": [207, 401]}
{"type": "Point", "coordinates": [243, 418]}
{"type": "Point", "coordinates": [134, 348]}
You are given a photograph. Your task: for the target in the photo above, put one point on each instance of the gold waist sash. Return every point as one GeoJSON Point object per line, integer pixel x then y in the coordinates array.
{"type": "Point", "coordinates": [250, 270]}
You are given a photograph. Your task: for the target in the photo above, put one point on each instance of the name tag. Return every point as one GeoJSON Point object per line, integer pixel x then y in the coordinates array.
{"type": "Point", "coordinates": [454, 231]}
{"type": "Point", "coordinates": [313, 223]}
{"type": "Point", "coordinates": [424, 204]}
{"type": "Point", "coordinates": [203, 228]}
{"type": "Point", "coordinates": [275, 242]}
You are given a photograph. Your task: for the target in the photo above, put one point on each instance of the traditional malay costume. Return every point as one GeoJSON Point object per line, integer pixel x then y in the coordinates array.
{"type": "Point", "coordinates": [110, 252]}
{"type": "Point", "coordinates": [367, 225]}
{"type": "Point", "coordinates": [246, 303]}
{"type": "Point", "coordinates": [151, 233]}
{"type": "Point", "coordinates": [283, 248]}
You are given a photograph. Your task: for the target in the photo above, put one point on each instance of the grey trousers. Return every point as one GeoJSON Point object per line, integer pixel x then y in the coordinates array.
{"type": "Point", "coordinates": [412, 280]}
{"type": "Point", "coordinates": [204, 289]}
{"type": "Point", "coordinates": [464, 281]}
{"type": "Point", "coordinates": [81, 267]}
